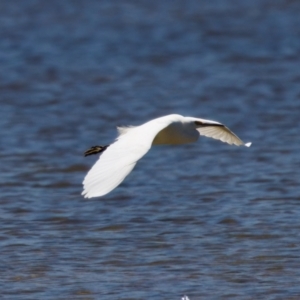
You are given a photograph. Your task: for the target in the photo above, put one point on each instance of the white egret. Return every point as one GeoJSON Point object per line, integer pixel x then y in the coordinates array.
{"type": "Point", "coordinates": [118, 159]}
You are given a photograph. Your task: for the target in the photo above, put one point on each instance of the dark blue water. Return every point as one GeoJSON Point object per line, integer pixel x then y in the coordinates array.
{"type": "Point", "coordinates": [208, 220]}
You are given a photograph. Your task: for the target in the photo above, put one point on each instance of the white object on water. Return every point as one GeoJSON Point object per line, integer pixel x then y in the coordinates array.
{"type": "Point", "coordinates": [118, 159]}
{"type": "Point", "coordinates": [185, 298]}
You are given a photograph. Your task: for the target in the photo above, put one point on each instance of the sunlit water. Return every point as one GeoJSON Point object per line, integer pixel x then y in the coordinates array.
{"type": "Point", "coordinates": [207, 220]}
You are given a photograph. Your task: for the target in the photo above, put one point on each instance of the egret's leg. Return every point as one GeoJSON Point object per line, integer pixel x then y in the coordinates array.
{"type": "Point", "coordinates": [95, 150]}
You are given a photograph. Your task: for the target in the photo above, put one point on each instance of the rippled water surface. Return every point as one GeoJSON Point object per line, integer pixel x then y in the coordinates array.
{"type": "Point", "coordinates": [208, 220]}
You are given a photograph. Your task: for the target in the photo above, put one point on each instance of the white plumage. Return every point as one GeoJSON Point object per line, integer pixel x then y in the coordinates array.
{"type": "Point", "coordinates": [119, 158]}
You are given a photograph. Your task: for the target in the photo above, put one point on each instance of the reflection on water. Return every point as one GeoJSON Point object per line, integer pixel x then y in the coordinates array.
{"type": "Point", "coordinates": [207, 220]}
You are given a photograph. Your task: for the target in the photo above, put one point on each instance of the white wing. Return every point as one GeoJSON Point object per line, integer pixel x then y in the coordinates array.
{"type": "Point", "coordinates": [219, 131]}
{"type": "Point", "coordinates": [114, 164]}
{"type": "Point", "coordinates": [118, 160]}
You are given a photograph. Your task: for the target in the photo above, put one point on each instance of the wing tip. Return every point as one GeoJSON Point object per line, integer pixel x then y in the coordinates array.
{"type": "Point", "coordinates": [90, 193]}
{"type": "Point", "coordinates": [248, 144]}
{"type": "Point", "coordinates": [85, 194]}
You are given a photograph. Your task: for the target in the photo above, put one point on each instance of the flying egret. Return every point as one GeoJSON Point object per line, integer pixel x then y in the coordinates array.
{"type": "Point", "coordinates": [118, 159]}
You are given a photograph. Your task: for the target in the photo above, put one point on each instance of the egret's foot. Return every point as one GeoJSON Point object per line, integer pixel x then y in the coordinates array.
{"type": "Point", "coordinates": [95, 150]}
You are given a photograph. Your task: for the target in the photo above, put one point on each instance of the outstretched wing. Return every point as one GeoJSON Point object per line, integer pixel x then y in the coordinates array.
{"type": "Point", "coordinates": [219, 131]}
{"type": "Point", "coordinates": [115, 163]}
{"type": "Point", "coordinates": [118, 160]}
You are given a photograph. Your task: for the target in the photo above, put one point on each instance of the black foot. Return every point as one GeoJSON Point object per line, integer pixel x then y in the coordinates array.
{"type": "Point", "coordinates": [95, 150]}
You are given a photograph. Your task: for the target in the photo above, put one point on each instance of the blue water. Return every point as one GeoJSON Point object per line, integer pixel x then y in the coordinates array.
{"type": "Point", "coordinates": [208, 220]}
